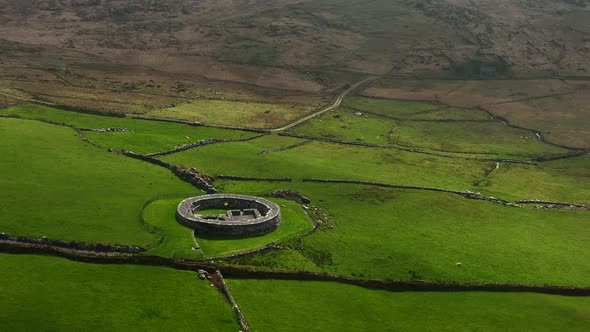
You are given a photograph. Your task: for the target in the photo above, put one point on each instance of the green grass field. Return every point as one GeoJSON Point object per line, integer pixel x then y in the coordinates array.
{"type": "Point", "coordinates": [234, 113]}
{"type": "Point", "coordinates": [487, 139]}
{"type": "Point", "coordinates": [384, 233]}
{"type": "Point", "coordinates": [412, 110]}
{"type": "Point", "coordinates": [552, 180]}
{"type": "Point", "coordinates": [332, 161]}
{"type": "Point", "coordinates": [472, 137]}
{"type": "Point", "coordinates": [41, 293]}
{"type": "Point", "coordinates": [56, 185]}
{"type": "Point", "coordinates": [143, 137]}
{"type": "Point", "coordinates": [566, 180]}
{"type": "Point", "coordinates": [386, 107]}
{"type": "Point", "coordinates": [347, 126]}
{"type": "Point", "coordinates": [178, 240]}
{"type": "Point", "coordinates": [278, 305]}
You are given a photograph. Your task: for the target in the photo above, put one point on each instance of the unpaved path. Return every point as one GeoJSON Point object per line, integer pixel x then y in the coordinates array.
{"type": "Point", "coordinates": [327, 109]}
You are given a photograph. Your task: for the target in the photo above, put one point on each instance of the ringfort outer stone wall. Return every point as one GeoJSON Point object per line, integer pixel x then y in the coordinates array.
{"type": "Point", "coordinates": [268, 221]}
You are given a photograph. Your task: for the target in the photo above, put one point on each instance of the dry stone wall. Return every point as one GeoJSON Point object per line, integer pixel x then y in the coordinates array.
{"type": "Point", "coordinates": [246, 272]}
{"type": "Point", "coordinates": [189, 175]}
{"type": "Point", "coordinates": [74, 245]}
{"type": "Point", "coordinates": [464, 193]}
{"type": "Point", "coordinates": [268, 221]}
{"type": "Point", "coordinates": [368, 145]}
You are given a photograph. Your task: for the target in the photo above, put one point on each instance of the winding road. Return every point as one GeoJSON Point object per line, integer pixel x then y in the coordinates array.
{"type": "Point", "coordinates": [327, 109]}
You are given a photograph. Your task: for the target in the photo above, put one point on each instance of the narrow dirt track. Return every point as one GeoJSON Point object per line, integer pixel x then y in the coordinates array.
{"type": "Point", "coordinates": [327, 109]}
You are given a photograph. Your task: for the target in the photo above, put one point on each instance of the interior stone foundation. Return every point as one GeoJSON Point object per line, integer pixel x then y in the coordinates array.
{"type": "Point", "coordinates": [246, 216]}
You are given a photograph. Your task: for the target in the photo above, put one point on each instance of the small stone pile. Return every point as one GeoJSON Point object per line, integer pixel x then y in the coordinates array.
{"type": "Point", "coordinates": [192, 176]}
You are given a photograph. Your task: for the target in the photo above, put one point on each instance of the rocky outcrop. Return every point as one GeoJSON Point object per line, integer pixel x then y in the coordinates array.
{"type": "Point", "coordinates": [105, 130]}
{"type": "Point", "coordinates": [540, 204]}
{"type": "Point", "coordinates": [190, 175]}
{"type": "Point", "coordinates": [290, 195]}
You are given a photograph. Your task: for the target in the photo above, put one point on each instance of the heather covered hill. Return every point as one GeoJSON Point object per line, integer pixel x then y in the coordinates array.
{"type": "Point", "coordinates": [299, 40]}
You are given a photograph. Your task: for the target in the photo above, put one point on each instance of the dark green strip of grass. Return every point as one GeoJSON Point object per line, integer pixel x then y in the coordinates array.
{"type": "Point", "coordinates": [178, 241]}
{"type": "Point", "coordinates": [41, 293]}
{"type": "Point", "coordinates": [278, 305]}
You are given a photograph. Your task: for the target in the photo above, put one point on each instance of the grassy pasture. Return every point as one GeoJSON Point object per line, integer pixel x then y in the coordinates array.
{"type": "Point", "coordinates": [42, 293]}
{"type": "Point", "coordinates": [333, 161]}
{"type": "Point", "coordinates": [144, 136]}
{"type": "Point", "coordinates": [386, 107]}
{"type": "Point", "coordinates": [61, 187]}
{"type": "Point", "coordinates": [58, 186]}
{"type": "Point", "coordinates": [563, 119]}
{"type": "Point", "coordinates": [179, 240]}
{"type": "Point", "coordinates": [113, 100]}
{"type": "Point", "coordinates": [345, 125]}
{"type": "Point", "coordinates": [234, 113]}
{"type": "Point", "coordinates": [451, 113]}
{"type": "Point", "coordinates": [487, 139]}
{"type": "Point", "coordinates": [566, 180]}
{"type": "Point", "coordinates": [557, 180]}
{"type": "Point", "coordinates": [294, 306]}
{"type": "Point", "coordinates": [274, 142]}
{"type": "Point", "coordinates": [385, 233]}
{"type": "Point", "coordinates": [473, 137]}
{"type": "Point", "coordinates": [412, 110]}
{"type": "Point", "coordinates": [558, 108]}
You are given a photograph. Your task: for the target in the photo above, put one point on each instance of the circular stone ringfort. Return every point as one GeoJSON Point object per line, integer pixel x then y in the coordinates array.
{"type": "Point", "coordinates": [245, 215]}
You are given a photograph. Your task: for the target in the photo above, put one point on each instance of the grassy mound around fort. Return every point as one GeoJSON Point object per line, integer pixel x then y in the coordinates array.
{"type": "Point", "coordinates": [58, 186]}
{"type": "Point", "coordinates": [55, 294]}
{"type": "Point", "coordinates": [352, 308]}
{"type": "Point", "coordinates": [179, 239]}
